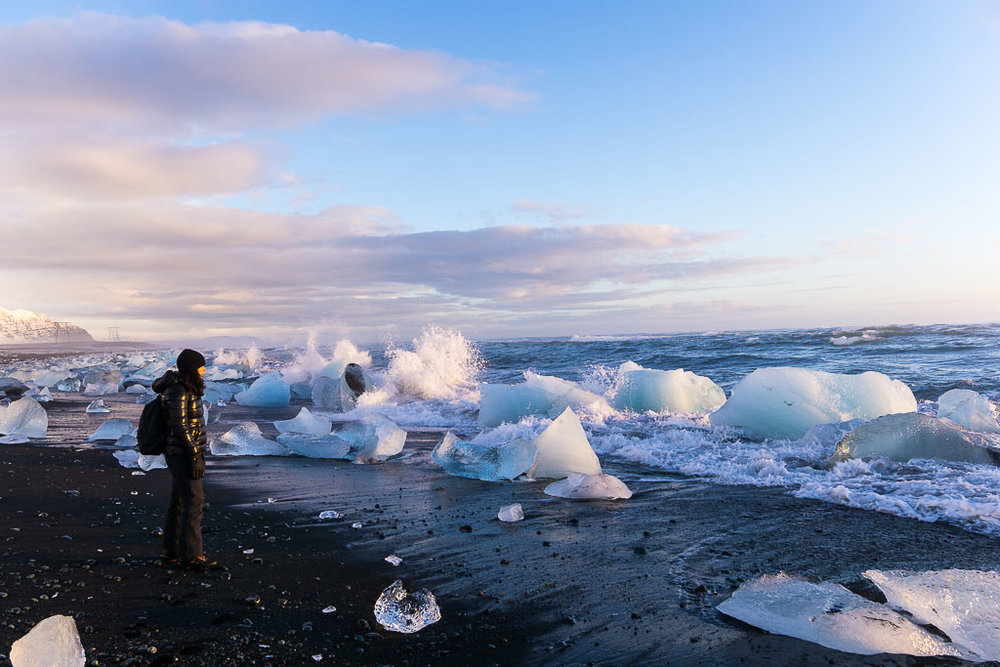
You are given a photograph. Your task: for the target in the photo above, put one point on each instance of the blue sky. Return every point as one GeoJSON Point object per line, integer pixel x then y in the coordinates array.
{"type": "Point", "coordinates": [508, 168]}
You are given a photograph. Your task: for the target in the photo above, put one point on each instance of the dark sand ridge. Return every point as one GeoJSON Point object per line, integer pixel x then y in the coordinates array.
{"type": "Point", "coordinates": [626, 582]}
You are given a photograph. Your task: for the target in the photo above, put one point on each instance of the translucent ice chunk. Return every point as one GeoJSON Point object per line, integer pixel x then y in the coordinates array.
{"type": "Point", "coordinates": [326, 394]}
{"type": "Point", "coordinates": [269, 391]}
{"type": "Point", "coordinates": [246, 440]}
{"type": "Point", "coordinates": [678, 390]}
{"type": "Point", "coordinates": [830, 615]}
{"type": "Point", "coordinates": [511, 513]}
{"type": "Point", "coordinates": [964, 604]}
{"type": "Point", "coordinates": [330, 514]}
{"type": "Point", "coordinates": [492, 463]}
{"type": "Point", "coordinates": [537, 395]}
{"type": "Point", "coordinates": [913, 436]}
{"type": "Point", "coordinates": [111, 429]}
{"type": "Point", "coordinates": [784, 403]}
{"type": "Point", "coordinates": [563, 448]}
{"type": "Point", "coordinates": [393, 560]}
{"type": "Point", "coordinates": [128, 458]}
{"type": "Point", "coordinates": [98, 406]}
{"type": "Point", "coordinates": [373, 438]}
{"type": "Point", "coordinates": [24, 417]}
{"type": "Point", "coordinates": [126, 441]}
{"type": "Point", "coordinates": [101, 383]}
{"type": "Point", "coordinates": [215, 391]}
{"type": "Point", "coordinates": [589, 487]}
{"type": "Point", "coordinates": [42, 395]}
{"type": "Point", "coordinates": [53, 641]}
{"type": "Point", "coordinates": [304, 422]}
{"type": "Point", "coordinates": [138, 389]}
{"type": "Point", "coordinates": [400, 611]}
{"type": "Point", "coordinates": [969, 410]}
{"type": "Point", "coordinates": [327, 446]}
{"type": "Point", "coordinates": [12, 387]}
{"type": "Point", "coordinates": [70, 385]}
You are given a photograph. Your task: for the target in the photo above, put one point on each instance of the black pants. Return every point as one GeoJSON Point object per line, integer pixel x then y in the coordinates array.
{"type": "Point", "coordinates": [182, 527]}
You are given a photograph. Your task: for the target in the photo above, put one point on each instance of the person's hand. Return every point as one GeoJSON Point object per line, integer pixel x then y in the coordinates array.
{"type": "Point", "coordinates": [198, 466]}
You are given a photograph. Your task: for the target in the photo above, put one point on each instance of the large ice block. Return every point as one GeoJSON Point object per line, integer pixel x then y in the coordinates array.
{"type": "Point", "coordinates": [215, 391]}
{"type": "Point", "coordinates": [784, 403]}
{"type": "Point", "coordinates": [373, 438]}
{"type": "Point", "coordinates": [563, 448]}
{"type": "Point", "coordinates": [492, 463]}
{"type": "Point", "coordinates": [246, 440]}
{"type": "Point", "coordinates": [644, 389]}
{"type": "Point", "coordinates": [400, 611]}
{"type": "Point", "coordinates": [830, 615]}
{"type": "Point", "coordinates": [269, 391]}
{"type": "Point", "coordinates": [969, 410]}
{"type": "Point", "coordinates": [913, 436]}
{"type": "Point", "coordinates": [25, 417]}
{"type": "Point", "coordinates": [101, 383]}
{"type": "Point", "coordinates": [326, 446]}
{"type": "Point", "coordinates": [53, 642]}
{"type": "Point", "coordinates": [537, 395]}
{"type": "Point", "coordinates": [589, 487]}
{"type": "Point", "coordinates": [11, 387]}
{"type": "Point", "coordinates": [306, 423]}
{"type": "Point", "coordinates": [111, 429]}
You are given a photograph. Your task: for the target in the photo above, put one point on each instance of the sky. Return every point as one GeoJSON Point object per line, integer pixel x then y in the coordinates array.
{"type": "Point", "coordinates": [364, 169]}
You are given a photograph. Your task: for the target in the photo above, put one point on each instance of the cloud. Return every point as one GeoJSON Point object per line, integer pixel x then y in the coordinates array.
{"type": "Point", "coordinates": [552, 212]}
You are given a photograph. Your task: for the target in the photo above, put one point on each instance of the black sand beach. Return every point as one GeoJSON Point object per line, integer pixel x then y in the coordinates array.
{"type": "Point", "coordinates": [625, 582]}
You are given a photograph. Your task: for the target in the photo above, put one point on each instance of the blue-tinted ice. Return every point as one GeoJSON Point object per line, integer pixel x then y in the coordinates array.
{"type": "Point", "coordinates": [400, 611]}
{"type": "Point", "coordinates": [492, 463]}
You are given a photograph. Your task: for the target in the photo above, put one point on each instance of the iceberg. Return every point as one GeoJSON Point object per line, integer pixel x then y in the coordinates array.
{"type": "Point", "coordinates": [969, 410]}
{"type": "Point", "coordinates": [400, 611]}
{"type": "Point", "coordinates": [563, 448]}
{"type": "Point", "coordinates": [97, 406]}
{"type": "Point", "coordinates": [111, 429]}
{"type": "Point", "coordinates": [511, 513]}
{"type": "Point", "coordinates": [246, 440]}
{"type": "Point", "coordinates": [537, 395]}
{"type": "Point", "coordinates": [589, 487]}
{"type": "Point", "coordinates": [374, 438]}
{"type": "Point", "coordinates": [913, 436]}
{"type": "Point", "coordinates": [649, 390]}
{"type": "Point", "coordinates": [491, 463]}
{"type": "Point", "coordinates": [269, 391]}
{"type": "Point", "coordinates": [53, 642]}
{"type": "Point", "coordinates": [830, 615]}
{"type": "Point", "coordinates": [784, 403]}
{"type": "Point", "coordinates": [306, 423]}
{"type": "Point", "coordinates": [24, 417]}
{"type": "Point", "coordinates": [326, 446]}
{"type": "Point", "coordinates": [964, 604]}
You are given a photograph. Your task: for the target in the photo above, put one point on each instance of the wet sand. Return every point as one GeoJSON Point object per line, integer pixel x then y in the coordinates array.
{"type": "Point", "coordinates": [623, 582]}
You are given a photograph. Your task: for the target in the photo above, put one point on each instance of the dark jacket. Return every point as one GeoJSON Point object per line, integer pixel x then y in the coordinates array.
{"type": "Point", "coordinates": [185, 415]}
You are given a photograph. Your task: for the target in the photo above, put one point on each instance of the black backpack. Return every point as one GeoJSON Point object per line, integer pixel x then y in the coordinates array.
{"type": "Point", "coordinates": [153, 428]}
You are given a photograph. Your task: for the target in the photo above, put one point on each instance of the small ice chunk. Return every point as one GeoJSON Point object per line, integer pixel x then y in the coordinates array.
{"type": "Point", "coordinates": [329, 610]}
{"type": "Point", "coordinates": [98, 406]}
{"type": "Point", "coordinates": [269, 391]}
{"type": "Point", "coordinates": [12, 387]}
{"type": "Point", "coordinates": [246, 440]}
{"type": "Point", "coordinates": [215, 392]}
{"type": "Point", "coordinates": [147, 462]}
{"type": "Point", "coordinates": [25, 417]}
{"type": "Point", "coordinates": [70, 385]}
{"type": "Point", "coordinates": [304, 422]}
{"type": "Point", "coordinates": [128, 458]}
{"type": "Point", "coordinates": [101, 383]}
{"type": "Point", "coordinates": [357, 524]}
{"type": "Point", "coordinates": [969, 410]}
{"type": "Point", "coordinates": [137, 389]}
{"type": "Point", "coordinates": [511, 513]}
{"type": "Point", "coordinates": [537, 395]}
{"type": "Point", "coordinates": [327, 446]}
{"type": "Point", "coordinates": [492, 463]}
{"type": "Point", "coordinates": [326, 394]}
{"type": "Point", "coordinates": [913, 436]}
{"type": "Point", "coordinates": [563, 448]}
{"type": "Point", "coordinates": [126, 441]}
{"type": "Point", "coordinates": [53, 641]}
{"type": "Point", "coordinates": [644, 389]}
{"type": "Point", "coordinates": [42, 395]}
{"type": "Point", "coordinates": [830, 615]}
{"type": "Point", "coordinates": [393, 560]}
{"type": "Point", "coordinates": [330, 514]}
{"type": "Point", "coordinates": [400, 611]}
{"type": "Point", "coordinates": [374, 438]}
{"type": "Point", "coordinates": [111, 429]}
{"type": "Point", "coordinates": [589, 487]}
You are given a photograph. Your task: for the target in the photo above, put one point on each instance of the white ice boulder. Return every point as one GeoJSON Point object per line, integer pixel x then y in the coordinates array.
{"type": "Point", "coordinates": [563, 448]}
{"type": "Point", "coordinates": [111, 430]}
{"type": "Point", "coordinates": [578, 486]}
{"type": "Point", "coordinates": [964, 604]}
{"type": "Point", "coordinates": [246, 440]}
{"type": "Point", "coordinates": [24, 417]}
{"type": "Point", "coordinates": [537, 395]}
{"type": "Point", "coordinates": [784, 403]}
{"type": "Point", "coordinates": [373, 438]}
{"type": "Point", "coordinates": [477, 461]}
{"type": "Point", "coordinates": [914, 436]}
{"type": "Point", "coordinates": [53, 642]}
{"type": "Point", "coordinates": [650, 390]}
{"type": "Point", "coordinates": [830, 615]}
{"type": "Point", "coordinates": [269, 391]}
{"type": "Point", "coordinates": [969, 410]}
{"type": "Point", "coordinates": [305, 423]}
{"type": "Point", "coordinates": [326, 446]}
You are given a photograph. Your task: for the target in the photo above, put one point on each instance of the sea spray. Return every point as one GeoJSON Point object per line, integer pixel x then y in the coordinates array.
{"type": "Point", "coordinates": [442, 365]}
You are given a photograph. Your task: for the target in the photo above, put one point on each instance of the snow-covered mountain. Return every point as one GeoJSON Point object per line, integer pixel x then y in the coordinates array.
{"type": "Point", "coordinates": [24, 326]}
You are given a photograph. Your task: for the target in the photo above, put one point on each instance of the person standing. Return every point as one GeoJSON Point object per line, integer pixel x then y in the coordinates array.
{"type": "Point", "coordinates": [182, 392]}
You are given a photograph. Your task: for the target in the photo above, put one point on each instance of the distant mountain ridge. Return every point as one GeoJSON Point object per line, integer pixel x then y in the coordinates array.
{"type": "Point", "coordinates": [25, 326]}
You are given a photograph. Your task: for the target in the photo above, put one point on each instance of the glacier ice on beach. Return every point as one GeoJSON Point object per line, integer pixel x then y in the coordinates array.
{"type": "Point", "coordinates": [511, 513]}
{"type": "Point", "coordinates": [111, 429]}
{"type": "Point", "coordinates": [14, 440]}
{"type": "Point", "coordinates": [69, 385]}
{"type": "Point", "coordinates": [913, 436]}
{"type": "Point", "coordinates": [784, 403]}
{"type": "Point", "coordinates": [373, 438]}
{"type": "Point", "coordinates": [101, 383]}
{"type": "Point", "coordinates": [968, 409]}
{"type": "Point", "coordinates": [477, 461]}
{"type": "Point", "coordinates": [563, 448]}
{"type": "Point", "coordinates": [305, 423]}
{"type": "Point", "coordinates": [12, 387]}
{"type": "Point", "coordinates": [268, 391]}
{"type": "Point", "coordinates": [246, 440]}
{"type": "Point", "coordinates": [401, 611]}
{"type": "Point", "coordinates": [326, 446]}
{"type": "Point", "coordinates": [42, 395]}
{"type": "Point", "coordinates": [830, 615]}
{"type": "Point", "coordinates": [644, 389]}
{"type": "Point", "coordinates": [131, 458]}
{"type": "Point", "coordinates": [97, 406]}
{"type": "Point", "coordinates": [52, 642]}
{"type": "Point", "coordinates": [964, 604]}
{"type": "Point", "coordinates": [589, 487]}
{"type": "Point", "coordinates": [537, 395]}
{"type": "Point", "coordinates": [24, 417]}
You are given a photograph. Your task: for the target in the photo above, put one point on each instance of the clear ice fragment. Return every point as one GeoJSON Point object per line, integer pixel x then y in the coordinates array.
{"type": "Point", "coordinates": [914, 436]}
{"type": "Point", "coordinates": [330, 514]}
{"type": "Point", "coordinates": [24, 417]}
{"type": "Point", "coordinates": [305, 423]}
{"type": "Point", "coordinates": [537, 395]}
{"type": "Point", "coordinates": [646, 389]}
{"type": "Point", "coordinates": [492, 463]}
{"type": "Point", "coordinates": [969, 410]}
{"type": "Point", "coordinates": [329, 610]}
{"type": "Point", "coordinates": [269, 391]}
{"type": "Point", "coordinates": [511, 513]}
{"type": "Point", "coordinates": [393, 560]}
{"type": "Point", "coordinates": [327, 446]}
{"type": "Point", "coordinates": [246, 440]}
{"type": "Point", "coordinates": [111, 429]}
{"type": "Point", "coordinates": [69, 385]}
{"type": "Point", "coordinates": [374, 438]}
{"type": "Point", "coordinates": [400, 611]}
{"type": "Point", "coordinates": [589, 487]}
{"type": "Point", "coordinates": [53, 642]}
{"type": "Point", "coordinates": [563, 448]}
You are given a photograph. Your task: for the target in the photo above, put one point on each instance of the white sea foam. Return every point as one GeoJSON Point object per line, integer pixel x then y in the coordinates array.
{"type": "Point", "coordinates": [442, 365]}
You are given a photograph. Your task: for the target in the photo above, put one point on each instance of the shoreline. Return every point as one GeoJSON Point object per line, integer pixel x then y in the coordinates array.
{"type": "Point", "coordinates": [617, 582]}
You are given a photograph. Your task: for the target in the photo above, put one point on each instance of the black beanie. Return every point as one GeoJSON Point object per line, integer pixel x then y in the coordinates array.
{"type": "Point", "coordinates": [189, 361]}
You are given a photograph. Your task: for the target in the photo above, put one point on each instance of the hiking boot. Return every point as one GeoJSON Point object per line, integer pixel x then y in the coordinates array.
{"type": "Point", "coordinates": [201, 564]}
